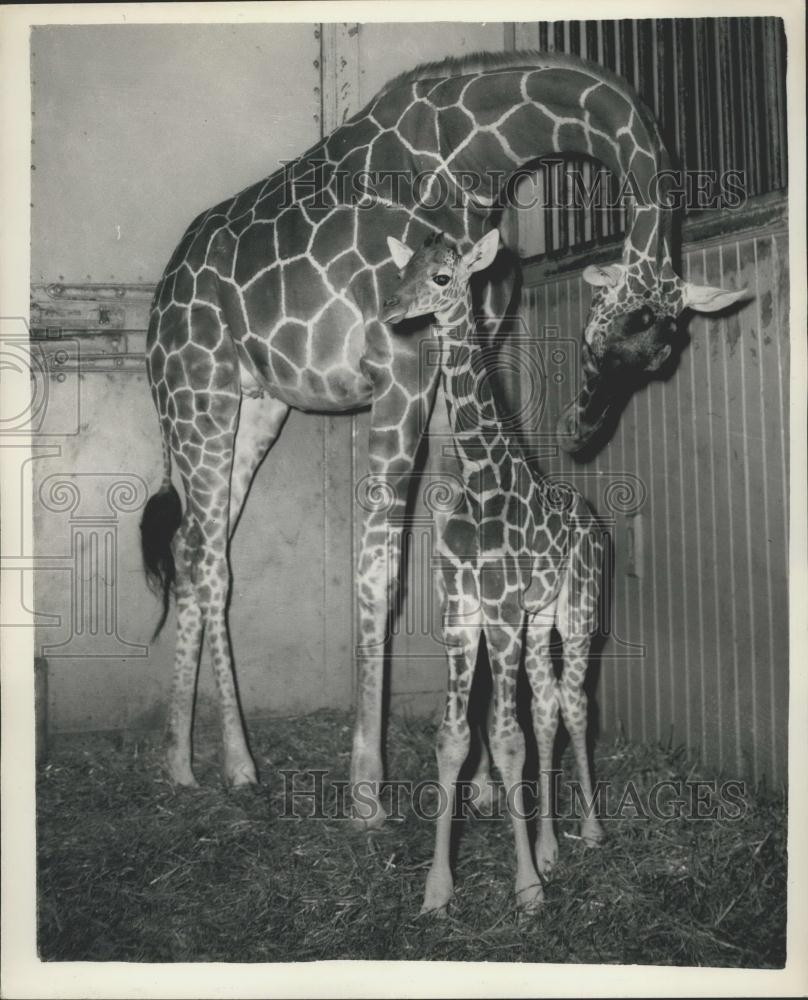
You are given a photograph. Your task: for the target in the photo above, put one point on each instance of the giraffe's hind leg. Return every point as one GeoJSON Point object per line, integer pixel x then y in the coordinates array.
{"type": "Point", "coordinates": [259, 424]}
{"type": "Point", "coordinates": [508, 749]}
{"type": "Point", "coordinates": [179, 723]}
{"type": "Point", "coordinates": [573, 625]}
{"type": "Point", "coordinates": [574, 710]}
{"type": "Point", "coordinates": [203, 583]}
{"type": "Point", "coordinates": [207, 584]}
{"type": "Point", "coordinates": [544, 710]}
{"type": "Point", "coordinates": [201, 424]}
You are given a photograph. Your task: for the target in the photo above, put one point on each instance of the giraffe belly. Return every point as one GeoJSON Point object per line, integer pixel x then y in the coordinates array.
{"type": "Point", "coordinates": [344, 398]}
{"type": "Point", "coordinates": [338, 389]}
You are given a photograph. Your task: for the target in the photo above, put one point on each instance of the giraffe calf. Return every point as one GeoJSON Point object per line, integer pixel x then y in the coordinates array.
{"type": "Point", "coordinates": [518, 556]}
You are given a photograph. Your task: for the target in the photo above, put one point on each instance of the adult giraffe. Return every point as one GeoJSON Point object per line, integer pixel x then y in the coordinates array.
{"type": "Point", "coordinates": [271, 301]}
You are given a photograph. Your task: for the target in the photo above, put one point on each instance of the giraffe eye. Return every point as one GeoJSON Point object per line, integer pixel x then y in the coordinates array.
{"type": "Point", "coordinates": [441, 279]}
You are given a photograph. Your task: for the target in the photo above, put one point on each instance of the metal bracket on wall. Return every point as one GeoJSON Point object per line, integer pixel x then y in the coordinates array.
{"type": "Point", "coordinates": [91, 327]}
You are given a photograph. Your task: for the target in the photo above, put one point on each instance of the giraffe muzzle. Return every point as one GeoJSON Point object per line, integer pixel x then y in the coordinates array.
{"type": "Point", "coordinates": [393, 310]}
{"type": "Point", "coordinates": [582, 420]}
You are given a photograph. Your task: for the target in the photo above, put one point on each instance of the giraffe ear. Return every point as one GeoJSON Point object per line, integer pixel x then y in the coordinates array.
{"type": "Point", "coordinates": [399, 252]}
{"type": "Point", "coordinates": [606, 274]}
{"type": "Point", "coordinates": [483, 252]}
{"type": "Point", "coordinates": [703, 298]}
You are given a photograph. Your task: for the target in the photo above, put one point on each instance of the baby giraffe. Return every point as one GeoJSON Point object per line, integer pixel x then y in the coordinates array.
{"type": "Point", "coordinates": [517, 556]}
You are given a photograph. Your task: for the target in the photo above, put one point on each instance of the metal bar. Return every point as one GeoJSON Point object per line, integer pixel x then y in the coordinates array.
{"type": "Point", "coordinates": [769, 56]}
{"type": "Point", "coordinates": [711, 105]}
{"type": "Point", "coordinates": [738, 122]}
{"type": "Point", "coordinates": [679, 95]}
{"type": "Point", "coordinates": [780, 70]}
{"type": "Point", "coordinates": [697, 118]}
{"type": "Point", "coordinates": [726, 126]}
{"type": "Point", "coordinates": [587, 215]}
{"type": "Point", "coordinates": [101, 290]}
{"type": "Point", "coordinates": [749, 103]}
{"type": "Point", "coordinates": [575, 34]}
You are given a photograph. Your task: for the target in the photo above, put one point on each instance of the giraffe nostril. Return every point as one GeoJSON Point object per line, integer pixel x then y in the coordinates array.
{"type": "Point", "coordinates": [391, 301]}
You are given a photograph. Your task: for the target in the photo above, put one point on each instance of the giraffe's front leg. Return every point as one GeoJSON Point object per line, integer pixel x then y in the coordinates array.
{"type": "Point", "coordinates": [461, 633]}
{"type": "Point", "coordinates": [508, 748]}
{"type": "Point", "coordinates": [376, 578]}
{"type": "Point", "coordinates": [544, 711]}
{"type": "Point", "coordinates": [398, 418]}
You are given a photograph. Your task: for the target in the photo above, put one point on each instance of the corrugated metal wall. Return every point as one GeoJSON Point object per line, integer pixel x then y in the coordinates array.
{"type": "Point", "coordinates": [701, 570]}
{"type": "Point", "coordinates": [698, 652]}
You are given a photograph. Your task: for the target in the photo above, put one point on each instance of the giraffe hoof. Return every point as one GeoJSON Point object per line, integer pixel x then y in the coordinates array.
{"type": "Point", "coordinates": [436, 902]}
{"type": "Point", "coordinates": [374, 820]}
{"type": "Point", "coordinates": [241, 777]}
{"type": "Point", "coordinates": [437, 895]}
{"type": "Point", "coordinates": [238, 766]}
{"type": "Point", "coordinates": [592, 833]}
{"type": "Point", "coordinates": [183, 782]}
{"type": "Point", "coordinates": [531, 898]}
{"type": "Point", "coordinates": [546, 857]}
{"type": "Point", "coordinates": [180, 774]}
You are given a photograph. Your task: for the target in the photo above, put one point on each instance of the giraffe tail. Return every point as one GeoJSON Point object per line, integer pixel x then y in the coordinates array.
{"type": "Point", "coordinates": [162, 516]}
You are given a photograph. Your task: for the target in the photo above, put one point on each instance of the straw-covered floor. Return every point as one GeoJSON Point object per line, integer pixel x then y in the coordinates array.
{"type": "Point", "coordinates": [133, 869]}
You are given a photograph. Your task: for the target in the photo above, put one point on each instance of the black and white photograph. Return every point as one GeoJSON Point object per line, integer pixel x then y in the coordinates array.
{"type": "Point", "coordinates": [403, 495]}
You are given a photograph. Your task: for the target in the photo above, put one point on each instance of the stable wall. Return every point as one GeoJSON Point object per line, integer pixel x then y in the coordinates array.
{"type": "Point", "coordinates": [694, 486]}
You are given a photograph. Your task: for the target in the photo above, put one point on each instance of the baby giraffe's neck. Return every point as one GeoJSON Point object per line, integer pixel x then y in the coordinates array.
{"type": "Point", "coordinates": [489, 455]}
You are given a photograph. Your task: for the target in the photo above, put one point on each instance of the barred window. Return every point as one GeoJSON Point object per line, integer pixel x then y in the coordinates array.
{"type": "Point", "coordinates": [718, 89]}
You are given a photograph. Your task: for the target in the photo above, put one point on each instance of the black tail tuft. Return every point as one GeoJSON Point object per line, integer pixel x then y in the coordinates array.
{"type": "Point", "coordinates": [161, 518]}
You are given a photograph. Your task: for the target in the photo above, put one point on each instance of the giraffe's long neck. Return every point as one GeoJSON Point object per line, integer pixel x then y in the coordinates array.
{"type": "Point", "coordinates": [473, 132]}
{"type": "Point", "coordinates": [554, 108]}
{"type": "Point", "coordinates": [490, 457]}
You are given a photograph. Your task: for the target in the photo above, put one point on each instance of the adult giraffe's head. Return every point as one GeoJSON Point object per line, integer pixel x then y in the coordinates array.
{"type": "Point", "coordinates": [435, 277]}
{"type": "Point", "coordinates": [632, 329]}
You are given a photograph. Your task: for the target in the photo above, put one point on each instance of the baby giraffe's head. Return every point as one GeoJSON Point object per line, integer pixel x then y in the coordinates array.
{"type": "Point", "coordinates": [435, 277]}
